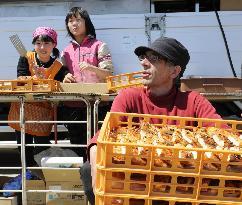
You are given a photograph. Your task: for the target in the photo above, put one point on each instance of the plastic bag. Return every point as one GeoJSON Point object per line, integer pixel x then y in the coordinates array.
{"type": "Point", "coordinates": [54, 152]}
{"type": "Point", "coordinates": [16, 183]}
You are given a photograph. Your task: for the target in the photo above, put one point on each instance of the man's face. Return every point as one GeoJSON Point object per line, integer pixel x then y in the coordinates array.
{"type": "Point", "coordinates": [157, 70]}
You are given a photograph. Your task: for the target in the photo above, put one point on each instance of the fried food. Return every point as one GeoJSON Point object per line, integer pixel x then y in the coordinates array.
{"type": "Point", "coordinates": [170, 135]}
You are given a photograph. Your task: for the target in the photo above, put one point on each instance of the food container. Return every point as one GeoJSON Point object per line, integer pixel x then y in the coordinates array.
{"type": "Point", "coordinates": [150, 183]}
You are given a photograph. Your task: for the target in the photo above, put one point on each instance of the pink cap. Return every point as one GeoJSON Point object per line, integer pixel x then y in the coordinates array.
{"type": "Point", "coordinates": [46, 31]}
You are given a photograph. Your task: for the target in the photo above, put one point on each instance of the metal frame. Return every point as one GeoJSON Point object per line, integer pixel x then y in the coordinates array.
{"type": "Point", "coordinates": [56, 97]}
{"type": "Point", "coordinates": [52, 97]}
{"type": "Point", "coordinates": [98, 99]}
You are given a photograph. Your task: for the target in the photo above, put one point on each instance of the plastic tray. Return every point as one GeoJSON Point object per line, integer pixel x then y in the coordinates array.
{"type": "Point", "coordinates": [30, 85]}
{"type": "Point", "coordinates": [118, 82]}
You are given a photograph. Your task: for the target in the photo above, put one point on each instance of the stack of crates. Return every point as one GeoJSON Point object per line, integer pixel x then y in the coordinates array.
{"type": "Point", "coordinates": [123, 182]}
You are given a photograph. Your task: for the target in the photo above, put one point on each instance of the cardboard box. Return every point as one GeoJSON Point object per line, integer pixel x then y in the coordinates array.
{"type": "Point", "coordinates": [36, 198]}
{"type": "Point", "coordinates": [231, 5]}
{"type": "Point", "coordinates": [57, 179]}
{"type": "Point", "coordinates": [84, 88]}
{"type": "Point", "coordinates": [212, 85]}
{"type": "Point", "coordinates": [8, 201]}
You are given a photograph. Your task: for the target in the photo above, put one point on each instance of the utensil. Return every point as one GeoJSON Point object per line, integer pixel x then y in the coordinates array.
{"type": "Point", "coordinates": [18, 45]}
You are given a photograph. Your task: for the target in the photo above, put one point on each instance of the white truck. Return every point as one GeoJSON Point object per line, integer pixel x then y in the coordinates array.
{"type": "Point", "coordinates": [199, 32]}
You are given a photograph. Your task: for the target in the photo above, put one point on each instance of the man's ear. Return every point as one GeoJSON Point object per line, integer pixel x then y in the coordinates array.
{"type": "Point", "coordinates": [176, 71]}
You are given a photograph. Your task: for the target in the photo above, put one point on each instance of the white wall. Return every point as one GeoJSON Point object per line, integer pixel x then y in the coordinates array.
{"type": "Point", "coordinates": [121, 32]}
{"type": "Point", "coordinates": [199, 32]}
{"type": "Point", "coordinates": [60, 8]}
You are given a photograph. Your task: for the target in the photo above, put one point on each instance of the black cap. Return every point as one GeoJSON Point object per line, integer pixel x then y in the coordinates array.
{"type": "Point", "coordinates": [169, 48]}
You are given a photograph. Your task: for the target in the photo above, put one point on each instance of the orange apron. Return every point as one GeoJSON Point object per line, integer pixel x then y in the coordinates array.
{"type": "Point", "coordinates": [36, 111]}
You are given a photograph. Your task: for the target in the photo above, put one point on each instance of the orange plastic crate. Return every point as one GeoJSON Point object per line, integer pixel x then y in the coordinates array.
{"type": "Point", "coordinates": [118, 82]}
{"type": "Point", "coordinates": [28, 85]}
{"type": "Point", "coordinates": [150, 180]}
{"type": "Point", "coordinates": [120, 199]}
{"type": "Point", "coordinates": [169, 184]}
{"type": "Point", "coordinates": [107, 150]}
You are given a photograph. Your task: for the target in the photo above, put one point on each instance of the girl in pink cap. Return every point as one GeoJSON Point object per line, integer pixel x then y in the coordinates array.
{"type": "Point", "coordinates": [88, 61]}
{"type": "Point", "coordinates": [41, 63]}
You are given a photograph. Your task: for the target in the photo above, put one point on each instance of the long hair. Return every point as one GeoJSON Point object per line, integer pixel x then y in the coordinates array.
{"type": "Point", "coordinates": [45, 38]}
{"type": "Point", "coordinates": [73, 12]}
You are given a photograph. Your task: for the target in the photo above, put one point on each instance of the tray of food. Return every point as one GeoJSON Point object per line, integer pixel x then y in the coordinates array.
{"type": "Point", "coordinates": [28, 85]}
{"type": "Point", "coordinates": [168, 156]}
{"type": "Point", "coordinates": [118, 82]}
{"type": "Point", "coordinates": [172, 143]}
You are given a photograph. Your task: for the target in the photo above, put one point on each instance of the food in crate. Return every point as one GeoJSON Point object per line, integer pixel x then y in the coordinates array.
{"type": "Point", "coordinates": [209, 138]}
{"type": "Point", "coordinates": [166, 156]}
{"type": "Point", "coordinates": [171, 135]}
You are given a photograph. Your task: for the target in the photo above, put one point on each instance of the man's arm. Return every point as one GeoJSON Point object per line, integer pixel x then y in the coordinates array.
{"type": "Point", "coordinates": [93, 152]}
{"type": "Point", "coordinates": [204, 109]}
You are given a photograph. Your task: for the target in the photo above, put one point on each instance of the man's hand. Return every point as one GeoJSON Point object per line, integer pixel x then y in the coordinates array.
{"type": "Point", "coordinates": [69, 78]}
{"type": "Point", "coordinates": [93, 152]}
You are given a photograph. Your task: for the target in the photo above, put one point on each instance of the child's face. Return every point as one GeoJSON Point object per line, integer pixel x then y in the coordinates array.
{"type": "Point", "coordinates": [43, 49]}
{"type": "Point", "coordinates": [77, 26]}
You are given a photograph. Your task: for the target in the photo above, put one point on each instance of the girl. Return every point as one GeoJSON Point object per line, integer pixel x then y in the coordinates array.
{"type": "Point", "coordinates": [41, 63]}
{"type": "Point", "coordinates": [87, 58]}
{"type": "Point", "coordinates": [88, 61]}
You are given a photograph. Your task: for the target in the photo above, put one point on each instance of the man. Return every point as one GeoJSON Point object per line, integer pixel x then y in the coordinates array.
{"type": "Point", "coordinates": [163, 62]}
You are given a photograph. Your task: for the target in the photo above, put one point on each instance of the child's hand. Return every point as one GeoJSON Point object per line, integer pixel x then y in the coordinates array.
{"type": "Point", "coordinates": [39, 72]}
{"type": "Point", "coordinates": [35, 77]}
{"type": "Point", "coordinates": [86, 66]}
{"type": "Point", "coordinates": [69, 78]}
